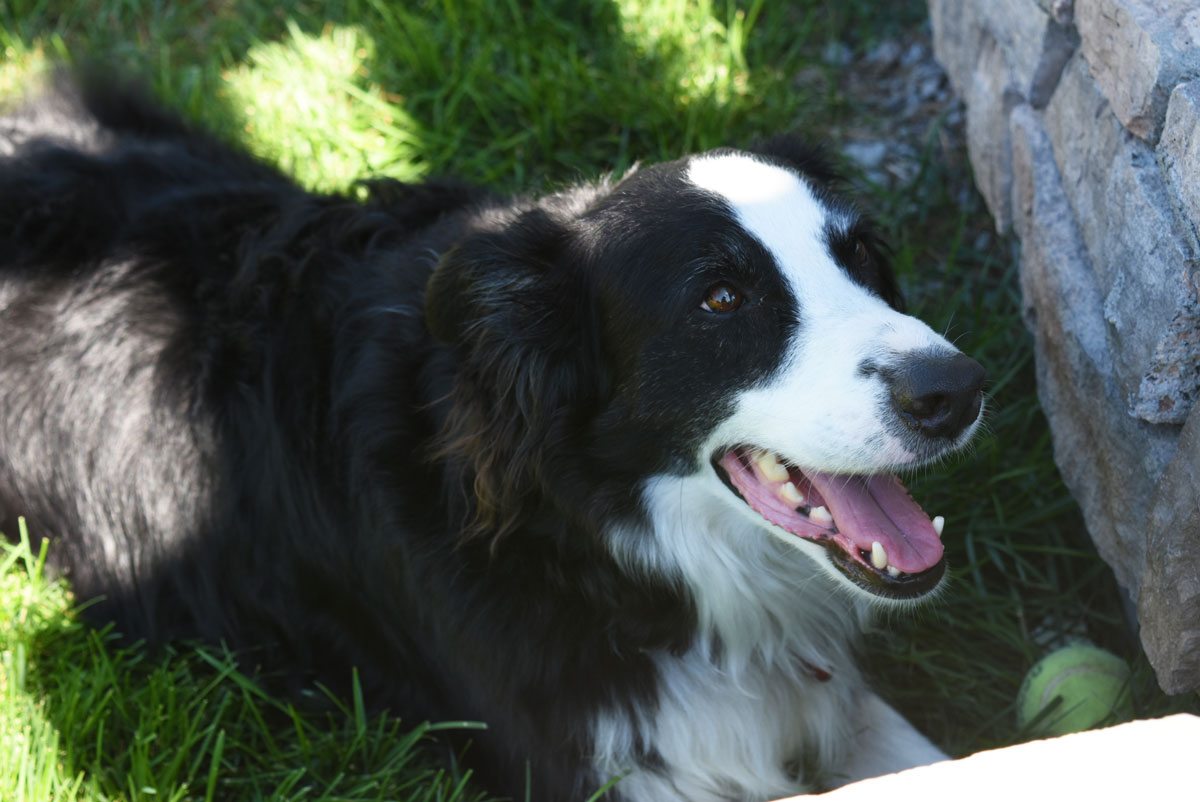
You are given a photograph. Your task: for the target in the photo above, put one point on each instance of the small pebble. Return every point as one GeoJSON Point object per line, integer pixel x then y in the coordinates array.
{"type": "Point", "coordinates": [837, 54]}
{"type": "Point", "coordinates": [866, 155]}
{"type": "Point", "coordinates": [928, 90]}
{"type": "Point", "coordinates": [915, 53]}
{"type": "Point", "coordinates": [885, 53]}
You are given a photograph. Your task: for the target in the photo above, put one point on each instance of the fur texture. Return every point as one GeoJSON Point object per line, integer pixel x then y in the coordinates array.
{"type": "Point", "coordinates": [472, 445]}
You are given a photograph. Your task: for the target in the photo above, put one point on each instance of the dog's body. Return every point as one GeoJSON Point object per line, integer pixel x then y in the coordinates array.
{"type": "Point", "coordinates": [482, 448]}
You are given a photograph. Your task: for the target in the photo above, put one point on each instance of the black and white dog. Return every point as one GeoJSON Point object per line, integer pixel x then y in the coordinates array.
{"type": "Point", "coordinates": [609, 470]}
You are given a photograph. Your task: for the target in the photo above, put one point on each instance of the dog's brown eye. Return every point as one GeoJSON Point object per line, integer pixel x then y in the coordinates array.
{"type": "Point", "coordinates": [721, 298]}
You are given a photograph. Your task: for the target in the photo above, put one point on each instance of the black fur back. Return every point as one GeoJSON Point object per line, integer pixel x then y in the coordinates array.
{"type": "Point", "coordinates": [219, 398]}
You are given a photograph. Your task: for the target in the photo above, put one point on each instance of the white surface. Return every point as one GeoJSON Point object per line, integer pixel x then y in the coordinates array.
{"type": "Point", "coordinates": [1142, 761]}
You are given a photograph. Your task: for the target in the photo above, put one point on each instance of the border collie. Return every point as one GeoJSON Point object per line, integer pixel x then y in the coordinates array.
{"type": "Point", "coordinates": [608, 469]}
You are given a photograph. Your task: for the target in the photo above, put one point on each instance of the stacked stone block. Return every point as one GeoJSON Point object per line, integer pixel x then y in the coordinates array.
{"type": "Point", "coordinates": [1083, 126]}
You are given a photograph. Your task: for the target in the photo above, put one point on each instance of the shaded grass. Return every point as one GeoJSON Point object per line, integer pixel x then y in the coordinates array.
{"type": "Point", "coordinates": [523, 96]}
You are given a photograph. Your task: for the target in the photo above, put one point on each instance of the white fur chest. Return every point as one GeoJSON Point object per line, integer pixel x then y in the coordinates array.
{"type": "Point", "coordinates": [718, 736]}
{"type": "Point", "coordinates": [742, 714]}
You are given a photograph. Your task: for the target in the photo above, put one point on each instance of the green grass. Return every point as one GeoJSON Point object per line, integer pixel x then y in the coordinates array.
{"type": "Point", "coordinates": [82, 718]}
{"type": "Point", "coordinates": [510, 94]}
{"type": "Point", "coordinates": [526, 95]}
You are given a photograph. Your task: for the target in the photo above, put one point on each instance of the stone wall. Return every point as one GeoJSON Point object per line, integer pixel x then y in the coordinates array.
{"type": "Point", "coordinates": [1083, 125]}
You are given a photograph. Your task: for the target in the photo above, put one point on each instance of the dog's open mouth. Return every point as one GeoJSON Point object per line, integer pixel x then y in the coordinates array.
{"type": "Point", "coordinates": [874, 532]}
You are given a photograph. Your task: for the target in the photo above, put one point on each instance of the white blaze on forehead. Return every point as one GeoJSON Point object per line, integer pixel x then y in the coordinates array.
{"type": "Point", "coordinates": [780, 210]}
{"type": "Point", "coordinates": [742, 179]}
{"type": "Point", "coordinates": [773, 204]}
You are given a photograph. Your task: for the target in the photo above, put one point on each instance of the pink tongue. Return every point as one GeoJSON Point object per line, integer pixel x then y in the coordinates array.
{"type": "Point", "coordinates": [878, 508]}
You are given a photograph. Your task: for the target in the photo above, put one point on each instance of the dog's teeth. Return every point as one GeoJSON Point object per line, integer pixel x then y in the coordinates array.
{"type": "Point", "coordinates": [878, 555]}
{"type": "Point", "coordinates": [789, 493]}
{"type": "Point", "coordinates": [893, 571]}
{"type": "Point", "coordinates": [820, 515]}
{"type": "Point", "coordinates": [770, 466]}
{"type": "Point", "coordinates": [939, 523]}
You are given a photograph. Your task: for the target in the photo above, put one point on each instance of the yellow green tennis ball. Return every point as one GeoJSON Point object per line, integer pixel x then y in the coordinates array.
{"type": "Point", "coordinates": [1073, 689]}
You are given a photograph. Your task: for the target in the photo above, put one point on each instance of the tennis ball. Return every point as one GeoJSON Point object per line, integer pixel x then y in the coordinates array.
{"type": "Point", "coordinates": [1073, 689]}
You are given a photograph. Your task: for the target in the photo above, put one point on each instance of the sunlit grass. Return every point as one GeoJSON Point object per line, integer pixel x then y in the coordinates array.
{"type": "Point", "coordinates": [310, 105]}
{"type": "Point", "coordinates": [508, 94]}
{"type": "Point", "coordinates": [21, 65]}
{"type": "Point", "coordinates": [84, 719]}
{"type": "Point", "coordinates": [31, 759]}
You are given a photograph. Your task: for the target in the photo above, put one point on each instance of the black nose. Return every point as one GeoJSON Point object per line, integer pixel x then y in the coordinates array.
{"type": "Point", "coordinates": [938, 395]}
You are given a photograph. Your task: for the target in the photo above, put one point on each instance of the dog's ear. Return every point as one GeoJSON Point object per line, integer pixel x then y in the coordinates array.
{"type": "Point", "coordinates": [512, 308]}
{"type": "Point", "coordinates": [501, 282]}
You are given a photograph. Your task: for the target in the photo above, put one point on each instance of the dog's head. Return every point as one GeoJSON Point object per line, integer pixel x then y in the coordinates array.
{"type": "Point", "coordinates": [726, 319]}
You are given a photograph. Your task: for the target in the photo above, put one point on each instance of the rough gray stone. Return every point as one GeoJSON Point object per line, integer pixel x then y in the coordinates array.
{"type": "Point", "coordinates": [1138, 51]}
{"type": "Point", "coordinates": [1063, 11]}
{"type": "Point", "coordinates": [1171, 386]}
{"type": "Point", "coordinates": [957, 35]}
{"type": "Point", "coordinates": [1037, 38]}
{"type": "Point", "coordinates": [1150, 297]}
{"type": "Point", "coordinates": [1179, 148]}
{"type": "Point", "coordinates": [998, 53]}
{"type": "Point", "coordinates": [1110, 179]}
{"type": "Point", "coordinates": [1109, 460]}
{"type": "Point", "coordinates": [1110, 273]}
{"type": "Point", "coordinates": [1169, 602]}
{"type": "Point", "coordinates": [989, 97]}
{"type": "Point", "coordinates": [1036, 46]}
{"type": "Point", "coordinates": [1059, 42]}
{"type": "Point", "coordinates": [1018, 26]}
{"type": "Point", "coordinates": [1086, 136]}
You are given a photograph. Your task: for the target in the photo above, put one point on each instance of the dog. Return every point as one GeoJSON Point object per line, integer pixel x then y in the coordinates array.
{"type": "Point", "coordinates": [609, 469]}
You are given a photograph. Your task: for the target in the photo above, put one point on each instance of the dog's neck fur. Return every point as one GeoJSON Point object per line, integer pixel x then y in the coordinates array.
{"type": "Point", "coordinates": [756, 598]}
{"type": "Point", "coordinates": [771, 665]}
